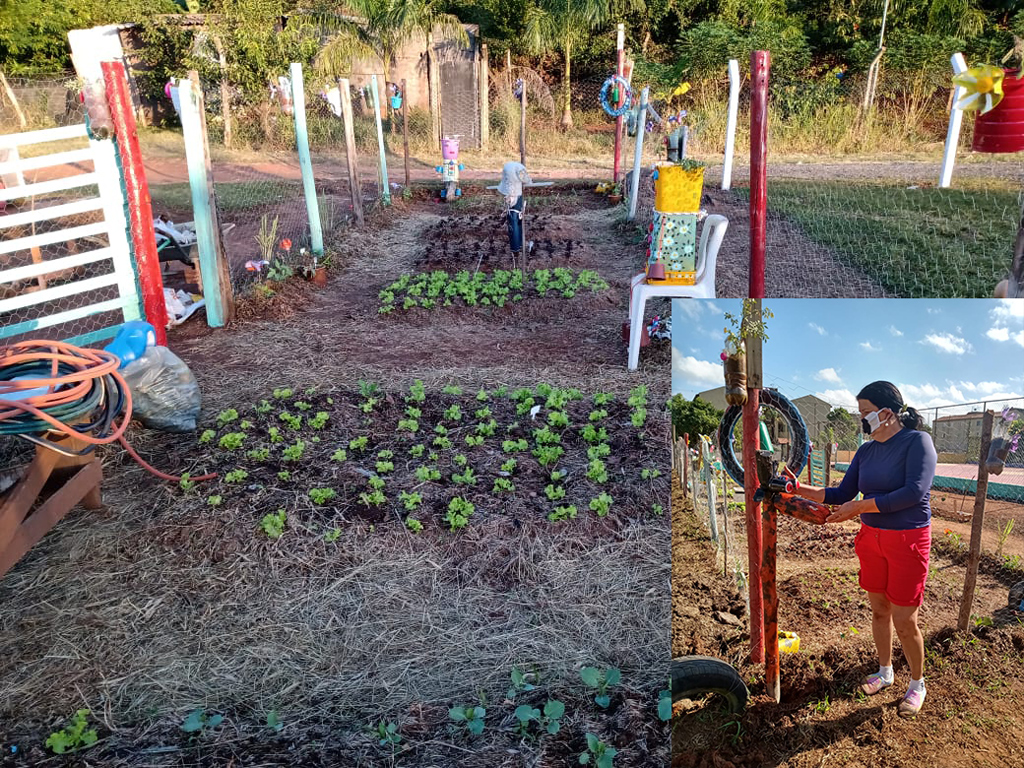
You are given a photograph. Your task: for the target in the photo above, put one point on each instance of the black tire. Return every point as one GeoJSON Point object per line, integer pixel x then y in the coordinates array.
{"type": "Point", "coordinates": [801, 441]}
{"type": "Point", "coordinates": [696, 676]}
{"type": "Point", "coordinates": [1016, 595]}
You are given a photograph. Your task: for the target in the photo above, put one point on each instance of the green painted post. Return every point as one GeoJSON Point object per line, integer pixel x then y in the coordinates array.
{"type": "Point", "coordinates": [385, 187]}
{"type": "Point", "coordinates": [196, 156]}
{"type": "Point", "coordinates": [316, 233]}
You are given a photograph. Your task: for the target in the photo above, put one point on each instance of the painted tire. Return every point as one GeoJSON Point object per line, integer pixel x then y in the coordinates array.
{"type": "Point", "coordinates": [694, 677]}
{"type": "Point", "coordinates": [627, 96]}
{"type": "Point", "coordinates": [797, 430]}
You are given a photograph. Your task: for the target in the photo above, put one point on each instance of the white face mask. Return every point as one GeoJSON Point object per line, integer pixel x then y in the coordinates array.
{"type": "Point", "coordinates": [871, 422]}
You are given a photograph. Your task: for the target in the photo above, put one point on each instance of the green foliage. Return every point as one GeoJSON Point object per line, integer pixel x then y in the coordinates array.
{"type": "Point", "coordinates": [73, 736]}
{"type": "Point", "coordinates": [410, 500]}
{"type": "Point", "coordinates": [427, 474]}
{"type": "Point", "coordinates": [320, 420]}
{"type": "Point", "coordinates": [295, 451]}
{"type": "Point", "coordinates": [321, 496]}
{"type": "Point", "coordinates": [339, 455]}
{"type": "Point", "coordinates": [282, 394]}
{"type": "Point", "coordinates": [413, 524]}
{"type": "Point", "coordinates": [471, 718]}
{"type": "Point", "coordinates": [601, 681]}
{"type": "Point", "coordinates": [226, 417]}
{"type": "Point", "coordinates": [598, 753]}
{"type": "Point", "coordinates": [511, 446]}
{"type": "Point", "coordinates": [417, 392]}
{"type": "Point", "coordinates": [430, 290]}
{"type": "Point", "coordinates": [601, 504]}
{"type": "Point", "coordinates": [332, 535]}
{"type": "Point", "coordinates": [459, 512]}
{"type": "Point", "coordinates": [359, 443]}
{"type": "Point", "coordinates": [215, 500]}
{"type": "Point", "coordinates": [554, 492]}
{"type": "Point", "coordinates": [550, 719]}
{"type": "Point", "coordinates": [232, 441]}
{"type": "Point", "coordinates": [561, 514]}
{"type": "Point", "coordinates": [466, 477]}
{"type": "Point", "coordinates": [273, 524]}
{"type": "Point", "coordinates": [596, 471]}
{"type": "Point", "coordinates": [186, 483]}
{"type": "Point", "coordinates": [199, 721]}
{"type": "Point", "coordinates": [295, 422]}
{"type": "Point", "coordinates": [548, 455]}
{"type": "Point", "coordinates": [694, 417]}
{"type": "Point", "coordinates": [207, 436]}
{"type": "Point", "coordinates": [387, 734]}
{"type": "Point", "coordinates": [258, 454]}
{"type": "Point", "coordinates": [236, 476]}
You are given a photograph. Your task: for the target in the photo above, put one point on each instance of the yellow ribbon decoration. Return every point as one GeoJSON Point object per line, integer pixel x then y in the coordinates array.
{"type": "Point", "coordinates": [983, 88]}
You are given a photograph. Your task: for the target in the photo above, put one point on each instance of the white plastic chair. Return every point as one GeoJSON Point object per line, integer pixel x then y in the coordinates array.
{"type": "Point", "coordinates": [711, 237]}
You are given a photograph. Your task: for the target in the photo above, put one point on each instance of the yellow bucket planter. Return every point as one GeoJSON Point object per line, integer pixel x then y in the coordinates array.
{"type": "Point", "coordinates": [678, 188]}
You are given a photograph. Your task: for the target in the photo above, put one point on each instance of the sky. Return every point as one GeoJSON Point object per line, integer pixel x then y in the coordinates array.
{"type": "Point", "coordinates": [937, 352]}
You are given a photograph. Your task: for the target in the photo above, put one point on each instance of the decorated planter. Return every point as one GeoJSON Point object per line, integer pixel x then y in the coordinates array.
{"type": "Point", "coordinates": [396, 102]}
{"type": "Point", "coordinates": [1001, 129]}
{"type": "Point", "coordinates": [735, 366]}
{"type": "Point", "coordinates": [450, 149]}
{"type": "Point", "coordinates": [673, 251]}
{"type": "Point", "coordinates": [678, 188]}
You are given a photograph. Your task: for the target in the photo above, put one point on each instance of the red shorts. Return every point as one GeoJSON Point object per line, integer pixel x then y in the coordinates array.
{"type": "Point", "coordinates": [894, 563]}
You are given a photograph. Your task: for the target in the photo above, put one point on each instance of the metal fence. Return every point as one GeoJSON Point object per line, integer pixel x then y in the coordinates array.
{"type": "Point", "coordinates": [32, 102]}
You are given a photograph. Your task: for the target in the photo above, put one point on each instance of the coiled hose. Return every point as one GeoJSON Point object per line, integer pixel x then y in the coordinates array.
{"type": "Point", "coordinates": [771, 398]}
{"type": "Point", "coordinates": [52, 386]}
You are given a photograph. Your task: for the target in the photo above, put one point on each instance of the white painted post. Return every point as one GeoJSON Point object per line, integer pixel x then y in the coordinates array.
{"type": "Point", "coordinates": [316, 233]}
{"type": "Point", "coordinates": [730, 126]}
{"type": "Point", "coordinates": [641, 123]}
{"type": "Point", "coordinates": [109, 183]}
{"type": "Point", "coordinates": [956, 117]}
{"type": "Point", "coordinates": [385, 187]}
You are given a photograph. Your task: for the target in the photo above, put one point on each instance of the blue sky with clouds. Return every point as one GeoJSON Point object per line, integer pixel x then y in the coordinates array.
{"type": "Point", "coordinates": [938, 352]}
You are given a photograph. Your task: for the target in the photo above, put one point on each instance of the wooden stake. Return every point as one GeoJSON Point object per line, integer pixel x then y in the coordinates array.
{"type": "Point", "coordinates": [14, 101]}
{"type": "Point", "coordinates": [225, 91]}
{"type": "Point", "coordinates": [522, 125]}
{"type": "Point", "coordinates": [485, 106]}
{"type": "Point", "coordinates": [434, 84]}
{"type": "Point", "coordinates": [405, 131]}
{"type": "Point", "coordinates": [977, 523]}
{"type": "Point", "coordinates": [220, 299]}
{"type": "Point", "coordinates": [345, 96]}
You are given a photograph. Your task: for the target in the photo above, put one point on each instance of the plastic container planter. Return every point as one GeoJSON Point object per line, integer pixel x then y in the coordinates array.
{"type": "Point", "coordinates": [1002, 129]}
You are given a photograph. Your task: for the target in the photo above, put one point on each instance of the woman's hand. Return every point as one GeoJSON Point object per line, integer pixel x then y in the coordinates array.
{"type": "Point", "coordinates": [847, 511]}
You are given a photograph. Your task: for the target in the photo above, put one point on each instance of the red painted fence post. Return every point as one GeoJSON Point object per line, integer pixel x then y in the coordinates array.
{"type": "Point", "coordinates": [751, 445]}
{"type": "Point", "coordinates": [760, 62]}
{"type": "Point", "coordinates": [620, 57]}
{"type": "Point", "coordinates": [140, 211]}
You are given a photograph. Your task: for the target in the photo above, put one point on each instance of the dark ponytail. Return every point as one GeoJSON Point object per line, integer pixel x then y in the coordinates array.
{"type": "Point", "coordinates": [884, 394]}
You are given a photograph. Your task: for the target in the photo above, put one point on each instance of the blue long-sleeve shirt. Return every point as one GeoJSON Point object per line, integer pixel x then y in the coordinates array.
{"type": "Point", "coordinates": [898, 475]}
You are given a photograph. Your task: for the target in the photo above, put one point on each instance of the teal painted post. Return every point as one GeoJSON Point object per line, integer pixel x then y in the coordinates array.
{"type": "Point", "coordinates": [316, 233]}
{"type": "Point", "coordinates": [203, 211]}
{"type": "Point", "coordinates": [384, 185]}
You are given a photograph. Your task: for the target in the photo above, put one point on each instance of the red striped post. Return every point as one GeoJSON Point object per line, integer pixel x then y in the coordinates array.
{"type": "Point", "coordinates": [751, 445]}
{"type": "Point", "coordinates": [620, 55]}
{"type": "Point", "coordinates": [759, 65]}
{"type": "Point", "coordinates": [140, 210]}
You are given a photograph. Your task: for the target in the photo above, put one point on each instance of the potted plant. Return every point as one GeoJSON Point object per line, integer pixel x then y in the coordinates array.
{"type": "Point", "coordinates": [615, 196]}
{"type": "Point", "coordinates": [1001, 128]}
{"type": "Point", "coordinates": [734, 356]}
{"type": "Point", "coordinates": [678, 186]}
{"type": "Point", "coordinates": [315, 271]}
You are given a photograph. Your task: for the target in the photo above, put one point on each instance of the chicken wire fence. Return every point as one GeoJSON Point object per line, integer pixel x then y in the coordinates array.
{"type": "Point", "coordinates": [32, 102]}
{"type": "Point", "coordinates": [62, 215]}
{"type": "Point", "coordinates": [257, 177]}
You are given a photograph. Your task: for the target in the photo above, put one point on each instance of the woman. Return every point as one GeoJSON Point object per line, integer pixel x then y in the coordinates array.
{"type": "Point", "coordinates": [894, 472]}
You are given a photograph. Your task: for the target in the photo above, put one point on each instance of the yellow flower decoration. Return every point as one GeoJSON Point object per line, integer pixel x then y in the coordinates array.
{"type": "Point", "coordinates": [983, 88]}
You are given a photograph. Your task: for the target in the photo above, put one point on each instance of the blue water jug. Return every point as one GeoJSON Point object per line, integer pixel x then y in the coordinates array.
{"type": "Point", "coordinates": [132, 341]}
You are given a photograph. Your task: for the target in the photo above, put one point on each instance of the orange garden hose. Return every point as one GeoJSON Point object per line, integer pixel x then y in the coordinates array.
{"type": "Point", "coordinates": [49, 386]}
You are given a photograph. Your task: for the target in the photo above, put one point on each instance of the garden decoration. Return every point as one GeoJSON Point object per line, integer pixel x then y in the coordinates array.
{"type": "Point", "coordinates": [514, 180]}
{"type": "Point", "coordinates": [449, 168]}
{"type": "Point", "coordinates": [1003, 443]}
{"type": "Point", "coordinates": [66, 400]}
{"type": "Point", "coordinates": [395, 94]}
{"type": "Point", "coordinates": [616, 90]}
{"type": "Point", "coordinates": [672, 257]}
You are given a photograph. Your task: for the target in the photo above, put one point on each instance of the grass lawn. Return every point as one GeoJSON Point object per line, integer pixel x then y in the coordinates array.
{"type": "Point", "coordinates": [915, 242]}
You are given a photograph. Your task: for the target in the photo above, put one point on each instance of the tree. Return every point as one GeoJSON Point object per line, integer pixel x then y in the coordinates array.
{"type": "Point", "coordinates": [844, 426]}
{"type": "Point", "coordinates": [564, 25]}
{"type": "Point", "coordinates": [696, 417]}
{"type": "Point", "coordinates": [381, 28]}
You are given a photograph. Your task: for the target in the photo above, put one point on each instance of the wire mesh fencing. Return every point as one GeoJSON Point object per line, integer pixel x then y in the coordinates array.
{"type": "Point", "coordinates": [32, 102]}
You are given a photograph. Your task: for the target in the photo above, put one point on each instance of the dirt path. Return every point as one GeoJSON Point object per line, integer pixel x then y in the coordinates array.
{"type": "Point", "coordinates": [975, 692]}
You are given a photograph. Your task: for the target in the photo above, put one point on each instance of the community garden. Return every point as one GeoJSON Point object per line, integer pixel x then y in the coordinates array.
{"type": "Point", "coordinates": [438, 535]}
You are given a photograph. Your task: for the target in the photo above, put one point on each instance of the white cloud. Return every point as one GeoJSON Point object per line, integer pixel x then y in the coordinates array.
{"type": "Point", "coordinates": [998, 334]}
{"type": "Point", "coordinates": [867, 346]}
{"type": "Point", "coordinates": [929, 395]}
{"type": "Point", "coordinates": [895, 331]}
{"type": "Point", "coordinates": [839, 398]}
{"type": "Point", "coordinates": [1018, 338]}
{"type": "Point", "coordinates": [697, 373]}
{"type": "Point", "coordinates": [815, 327]}
{"type": "Point", "coordinates": [1008, 310]}
{"type": "Point", "coordinates": [688, 307]}
{"type": "Point", "coordinates": [829, 375]}
{"type": "Point", "coordinates": [981, 387]}
{"type": "Point", "coordinates": [933, 311]}
{"type": "Point", "coordinates": [947, 342]}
